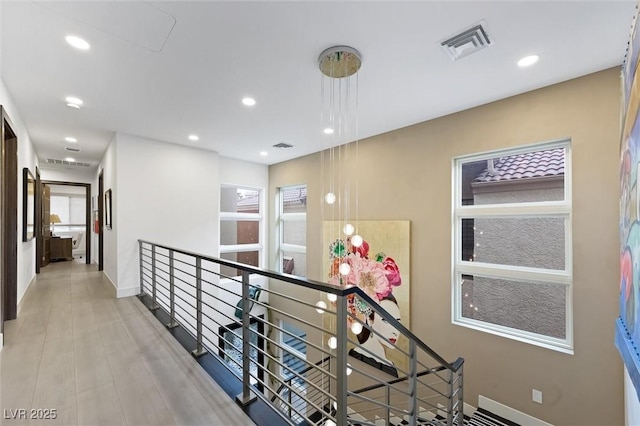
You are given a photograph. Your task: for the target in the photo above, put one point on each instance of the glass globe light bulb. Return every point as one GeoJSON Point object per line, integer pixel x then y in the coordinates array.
{"type": "Point", "coordinates": [330, 197]}
{"type": "Point", "coordinates": [356, 328]}
{"type": "Point", "coordinates": [320, 307]}
{"type": "Point", "coordinates": [332, 297]}
{"type": "Point", "coordinates": [332, 342]}
{"type": "Point", "coordinates": [348, 229]}
{"type": "Point", "coordinates": [344, 268]}
{"type": "Point", "coordinates": [356, 241]}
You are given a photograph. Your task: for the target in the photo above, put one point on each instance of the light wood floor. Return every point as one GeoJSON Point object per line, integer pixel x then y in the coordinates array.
{"type": "Point", "coordinates": [98, 360]}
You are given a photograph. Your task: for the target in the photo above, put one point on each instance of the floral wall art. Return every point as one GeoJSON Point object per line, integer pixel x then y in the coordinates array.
{"type": "Point", "coordinates": [627, 338]}
{"type": "Point", "coordinates": [380, 266]}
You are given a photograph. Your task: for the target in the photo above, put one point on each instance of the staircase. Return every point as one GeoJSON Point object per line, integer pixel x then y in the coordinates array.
{"type": "Point", "coordinates": [480, 417]}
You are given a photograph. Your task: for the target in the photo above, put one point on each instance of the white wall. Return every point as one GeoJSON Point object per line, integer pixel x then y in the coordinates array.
{"type": "Point", "coordinates": [165, 193]}
{"type": "Point", "coordinates": [26, 158]}
{"type": "Point", "coordinates": [109, 168]}
{"type": "Point", "coordinates": [631, 403]}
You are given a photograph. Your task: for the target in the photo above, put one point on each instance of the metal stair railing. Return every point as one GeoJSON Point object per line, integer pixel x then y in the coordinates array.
{"type": "Point", "coordinates": [241, 319]}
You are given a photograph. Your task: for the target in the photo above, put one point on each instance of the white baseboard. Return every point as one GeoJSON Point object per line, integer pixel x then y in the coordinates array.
{"type": "Point", "coordinates": [509, 413]}
{"type": "Point", "coordinates": [127, 292]}
{"type": "Point", "coordinates": [22, 296]}
{"type": "Point", "coordinates": [123, 292]}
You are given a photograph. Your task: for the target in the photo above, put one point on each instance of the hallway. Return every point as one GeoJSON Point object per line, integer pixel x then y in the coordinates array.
{"type": "Point", "coordinates": [98, 360]}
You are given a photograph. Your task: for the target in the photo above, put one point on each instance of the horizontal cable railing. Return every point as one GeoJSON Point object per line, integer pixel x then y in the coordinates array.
{"type": "Point", "coordinates": [298, 356]}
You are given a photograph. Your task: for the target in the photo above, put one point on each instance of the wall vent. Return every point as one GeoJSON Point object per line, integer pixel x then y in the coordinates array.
{"type": "Point", "coordinates": [467, 42]}
{"type": "Point", "coordinates": [67, 163]}
{"type": "Point", "coordinates": [68, 148]}
{"type": "Point", "coordinates": [282, 145]}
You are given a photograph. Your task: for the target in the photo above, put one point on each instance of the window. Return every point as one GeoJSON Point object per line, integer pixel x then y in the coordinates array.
{"type": "Point", "coordinates": [241, 227]}
{"type": "Point", "coordinates": [512, 266]}
{"type": "Point", "coordinates": [292, 230]}
{"type": "Point", "coordinates": [70, 208]}
{"type": "Point", "coordinates": [294, 352]}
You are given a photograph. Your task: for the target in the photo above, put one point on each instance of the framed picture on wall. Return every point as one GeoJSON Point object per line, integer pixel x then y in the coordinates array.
{"type": "Point", "coordinates": [108, 214]}
{"type": "Point", "coordinates": [28, 205]}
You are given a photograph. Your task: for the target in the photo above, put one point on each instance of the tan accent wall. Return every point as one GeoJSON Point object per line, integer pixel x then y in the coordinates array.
{"type": "Point", "coordinates": [406, 174]}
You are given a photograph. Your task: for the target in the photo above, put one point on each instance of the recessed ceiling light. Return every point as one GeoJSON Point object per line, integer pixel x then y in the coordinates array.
{"type": "Point", "coordinates": [193, 137]}
{"type": "Point", "coordinates": [77, 42]}
{"type": "Point", "coordinates": [249, 101]}
{"type": "Point", "coordinates": [73, 102]}
{"type": "Point", "coordinates": [70, 139]}
{"type": "Point", "coordinates": [264, 153]}
{"type": "Point", "coordinates": [328, 131]}
{"type": "Point", "coordinates": [528, 60]}
{"type": "Point", "coordinates": [70, 159]}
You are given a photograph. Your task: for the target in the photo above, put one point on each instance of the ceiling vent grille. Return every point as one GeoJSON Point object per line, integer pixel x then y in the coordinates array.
{"type": "Point", "coordinates": [282, 145]}
{"type": "Point", "coordinates": [467, 42]}
{"type": "Point", "coordinates": [67, 163]}
{"type": "Point", "coordinates": [72, 149]}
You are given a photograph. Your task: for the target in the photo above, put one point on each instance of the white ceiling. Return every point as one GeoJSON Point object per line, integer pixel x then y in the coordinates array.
{"type": "Point", "coordinates": [164, 70]}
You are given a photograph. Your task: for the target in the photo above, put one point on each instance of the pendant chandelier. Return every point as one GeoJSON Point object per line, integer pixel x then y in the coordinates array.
{"type": "Point", "coordinates": [339, 67]}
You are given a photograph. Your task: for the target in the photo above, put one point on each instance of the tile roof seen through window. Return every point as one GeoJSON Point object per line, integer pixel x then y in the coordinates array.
{"type": "Point", "coordinates": [524, 166]}
{"type": "Point", "coordinates": [294, 195]}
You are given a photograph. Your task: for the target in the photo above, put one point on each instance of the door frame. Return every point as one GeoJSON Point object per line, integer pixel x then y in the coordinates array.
{"type": "Point", "coordinates": [8, 220]}
{"type": "Point", "coordinates": [101, 220]}
{"type": "Point", "coordinates": [87, 213]}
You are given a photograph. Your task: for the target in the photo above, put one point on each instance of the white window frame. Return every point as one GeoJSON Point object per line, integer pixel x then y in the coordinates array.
{"type": "Point", "coordinates": [235, 217]}
{"type": "Point", "coordinates": [283, 247]}
{"type": "Point", "coordinates": [528, 274]}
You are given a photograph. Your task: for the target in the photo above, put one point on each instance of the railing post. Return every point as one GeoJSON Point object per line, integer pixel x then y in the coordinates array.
{"type": "Point", "coordinates": [460, 395]}
{"type": "Point", "coordinates": [413, 383]}
{"type": "Point", "coordinates": [453, 375]}
{"type": "Point", "coordinates": [246, 396]}
{"type": "Point", "coordinates": [141, 294]}
{"type": "Point", "coordinates": [341, 360]}
{"type": "Point", "coordinates": [153, 279]}
{"type": "Point", "coordinates": [199, 350]}
{"type": "Point", "coordinates": [172, 301]}
{"type": "Point", "coordinates": [388, 404]}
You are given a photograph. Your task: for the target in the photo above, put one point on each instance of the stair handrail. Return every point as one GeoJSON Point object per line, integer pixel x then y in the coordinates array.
{"type": "Point", "coordinates": [300, 373]}
{"type": "Point", "coordinates": [324, 287]}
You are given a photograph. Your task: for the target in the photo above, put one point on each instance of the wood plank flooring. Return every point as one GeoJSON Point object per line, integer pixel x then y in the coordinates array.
{"type": "Point", "coordinates": [98, 360]}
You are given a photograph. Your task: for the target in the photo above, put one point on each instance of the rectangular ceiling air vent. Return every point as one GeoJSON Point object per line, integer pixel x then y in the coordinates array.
{"type": "Point", "coordinates": [282, 145]}
{"type": "Point", "coordinates": [467, 42]}
{"type": "Point", "coordinates": [72, 149]}
{"type": "Point", "coordinates": [67, 163]}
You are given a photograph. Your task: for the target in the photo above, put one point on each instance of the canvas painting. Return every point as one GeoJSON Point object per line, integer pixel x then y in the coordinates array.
{"type": "Point", "coordinates": [380, 266]}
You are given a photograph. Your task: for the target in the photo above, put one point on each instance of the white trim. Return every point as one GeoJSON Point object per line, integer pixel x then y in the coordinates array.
{"type": "Point", "coordinates": [514, 273]}
{"type": "Point", "coordinates": [231, 216]}
{"type": "Point", "coordinates": [537, 209]}
{"type": "Point", "coordinates": [509, 413]}
{"type": "Point", "coordinates": [115, 287]}
{"type": "Point", "coordinates": [293, 248]}
{"type": "Point", "coordinates": [237, 248]}
{"type": "Point", "coordinates": [1, 341]}
{"type": "Point", "coordinates": [291, 217]}
{"type": "Point", "coordinates": [560, 209]}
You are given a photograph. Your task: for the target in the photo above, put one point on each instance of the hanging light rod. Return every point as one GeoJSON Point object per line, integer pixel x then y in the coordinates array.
{"type": "Point", "coordinates": [339, 61]}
